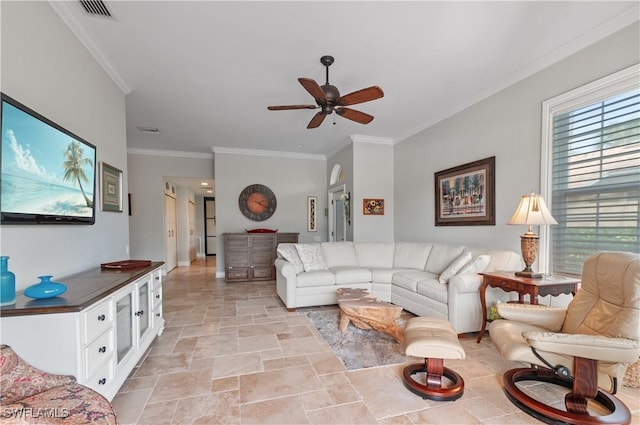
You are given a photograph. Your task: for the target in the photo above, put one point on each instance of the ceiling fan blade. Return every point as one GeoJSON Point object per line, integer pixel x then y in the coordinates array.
{"type": "Point", "coordinates": [360, 96]}
{"type": "Point", "coordinates": [317, 119]}
{"type": "Point", "coordinates": [354, 115]}
{"type": "Point", "coordinates": [286, 107]}
{"type": "Point", "coordinates": [314, 90]}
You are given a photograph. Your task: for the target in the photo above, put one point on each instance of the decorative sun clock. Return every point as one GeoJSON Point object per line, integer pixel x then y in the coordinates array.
{"type": "Point", "coordinates": [257, 202]}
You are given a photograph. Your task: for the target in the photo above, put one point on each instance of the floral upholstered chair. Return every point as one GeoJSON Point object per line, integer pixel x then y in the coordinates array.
{"type": "Point", "coordinates": [31, 396]}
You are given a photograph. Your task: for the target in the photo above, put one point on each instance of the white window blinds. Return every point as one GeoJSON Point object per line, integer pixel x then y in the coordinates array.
{"type": "Point", "coordinates": [595, 180]}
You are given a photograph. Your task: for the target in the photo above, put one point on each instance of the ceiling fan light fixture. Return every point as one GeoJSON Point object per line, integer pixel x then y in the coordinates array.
{"type": "Point", "coordinates": [328, 98]}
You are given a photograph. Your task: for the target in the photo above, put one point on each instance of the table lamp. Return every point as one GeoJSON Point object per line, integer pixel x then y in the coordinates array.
{"type": "Point", "coordinates": [531, 211]}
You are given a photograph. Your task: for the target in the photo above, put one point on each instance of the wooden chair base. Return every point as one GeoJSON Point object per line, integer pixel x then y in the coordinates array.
{"type": "Point", "coordinates": [576, 412]}
{"type": "Point", "coordinates": [433, 389]}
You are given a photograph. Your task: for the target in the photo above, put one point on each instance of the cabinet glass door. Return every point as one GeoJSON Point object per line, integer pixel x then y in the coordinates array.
{"type": "Point", "coordinates": [144, 309]}
{"type": "Point", "coordinates": [124, 325]}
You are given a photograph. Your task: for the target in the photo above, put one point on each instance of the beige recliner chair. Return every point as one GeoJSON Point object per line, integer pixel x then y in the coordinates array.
{"type": "Point", "coordinates": [585, 347]}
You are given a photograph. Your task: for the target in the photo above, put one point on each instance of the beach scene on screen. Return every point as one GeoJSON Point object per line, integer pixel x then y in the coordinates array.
{"type": "Point", "coordinates": [44, 170]}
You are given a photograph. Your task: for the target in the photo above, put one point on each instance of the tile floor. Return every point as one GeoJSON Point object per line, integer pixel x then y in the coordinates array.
{"type": "Point", "coordinates": [232, 354]}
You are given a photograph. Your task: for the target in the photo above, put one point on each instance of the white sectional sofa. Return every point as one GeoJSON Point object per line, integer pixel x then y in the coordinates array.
{"type": "Point", "coordinates": [426, 279]}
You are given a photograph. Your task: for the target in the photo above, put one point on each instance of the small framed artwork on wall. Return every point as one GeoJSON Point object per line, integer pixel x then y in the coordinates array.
{"type": "Point", "coordinates": [110, 188]}
{"type": "Point", "coordinates": [372, 206]}
{"type": "Point", "coordinates": [312, 213]}
{"type": "Point", "coordinates": [465, 195]}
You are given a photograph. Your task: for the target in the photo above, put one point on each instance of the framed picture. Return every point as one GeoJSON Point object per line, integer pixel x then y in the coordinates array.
{"type": "Point", "coordinates": [110, 188]}
{"type": "Point", "coordinates": [465, 195]}
{"type": "Point", "coordinates": [371, 206]}
{"type": "Point", "coordinates": [312, 213]}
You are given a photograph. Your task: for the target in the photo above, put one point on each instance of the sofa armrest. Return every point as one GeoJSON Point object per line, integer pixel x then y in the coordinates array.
{"type": "Point", "coordinates": [464, 283]}
{"type": "Point", "coordinates": [286, 282]}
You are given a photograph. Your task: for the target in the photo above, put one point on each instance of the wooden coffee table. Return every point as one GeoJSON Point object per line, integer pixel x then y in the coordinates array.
{"type": "Point", "coordinates": [365, 311]}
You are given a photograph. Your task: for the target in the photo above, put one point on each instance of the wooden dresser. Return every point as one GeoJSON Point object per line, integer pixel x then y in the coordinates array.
{"type": "Point", "coordinates": [250, 256]}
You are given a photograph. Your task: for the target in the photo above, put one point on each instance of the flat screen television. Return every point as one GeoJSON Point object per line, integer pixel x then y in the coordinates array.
{"type": "Point", "coordinates": [47, 172]}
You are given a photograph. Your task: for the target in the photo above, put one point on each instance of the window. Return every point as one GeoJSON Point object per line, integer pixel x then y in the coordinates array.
{"type": "Point", "coordinates": [591, 164]}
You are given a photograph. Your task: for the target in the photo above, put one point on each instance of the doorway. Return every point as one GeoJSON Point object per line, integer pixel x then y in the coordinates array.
{"type": "Point", "coordinates": [171, 243]}
{"type": "Point", "coordinates": [210, 241]}
{"type": "Point", "coordinates": [337, 217]}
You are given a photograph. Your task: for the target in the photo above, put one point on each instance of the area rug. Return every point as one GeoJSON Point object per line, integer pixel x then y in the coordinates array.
{"type": "Point", "coordinates": [357, 348]}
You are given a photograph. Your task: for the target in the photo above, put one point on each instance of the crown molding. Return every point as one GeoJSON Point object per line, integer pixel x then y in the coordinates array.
{"type": "Point", "coordinates": [622, 20]}
{"type": "Point", "coordinates": [172, 154]}
{"type": "Point", "coordinates": [353, 138]}
{"type": "Point", "coordinates": [258, 152]}
{"type": "Point", "coordinates": [68, 12]}
{"type": "Point", "coordinates": [372, 139]}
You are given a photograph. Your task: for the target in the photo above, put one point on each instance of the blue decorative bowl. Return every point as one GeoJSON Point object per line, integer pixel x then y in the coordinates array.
{"type": "Point", "coordinates": [45, 289]}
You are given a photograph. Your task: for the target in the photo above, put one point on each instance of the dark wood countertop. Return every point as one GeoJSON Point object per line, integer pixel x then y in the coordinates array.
{"type": "Point", "coordinates": [83, 289]}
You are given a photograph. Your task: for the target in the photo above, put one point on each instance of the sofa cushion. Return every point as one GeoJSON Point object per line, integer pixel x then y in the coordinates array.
{"type": "Point", "coordinates": [453, 268]}
{"type": "Point", "coordinates": [410, 255]}
{"type": "Point", "coordinates": [346, 274]}
{"type": "Point", "coordinates": [384, 275]}
{"type": "Point", "coordinates": [288, 252]}
{"type": "Point", "coordinates": [375, 254]}
{"type": "Point", "coordinates": [409, 279]}
{"type": "Point", "coordinates": [316, 278]}
{"type": "Point", "coordinates": [432, 288]}
{"type": "Point", "coordinates": [18, 379]}
{"type": "Point", "coordinates": [311, 256]}
{"type": "Point", "coordinates": [441, 256]}
{"type": "Point", "coordinates": [476, 265]}
{"type": "Point", "coordinates": [338, 254]}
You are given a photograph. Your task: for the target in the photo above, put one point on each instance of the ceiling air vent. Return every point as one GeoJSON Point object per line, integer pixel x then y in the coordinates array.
{"type": "Point", "coordinates": [96, 8]}
{"type": "Point", "coordinates": [148, 130]}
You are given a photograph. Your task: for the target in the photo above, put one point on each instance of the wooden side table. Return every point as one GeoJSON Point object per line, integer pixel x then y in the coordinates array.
{"type": "Point", "coordinates": [508, 281]}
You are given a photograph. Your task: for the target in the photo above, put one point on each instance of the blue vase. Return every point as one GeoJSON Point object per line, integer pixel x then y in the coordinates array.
{"type": "Point", "coordinates": [45, 289]}
{"type": "Point", "coordinates": [8, 283]}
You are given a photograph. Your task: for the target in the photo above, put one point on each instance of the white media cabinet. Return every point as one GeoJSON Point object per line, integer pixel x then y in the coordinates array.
{"type": "Point", "coordinates": [97, 331]}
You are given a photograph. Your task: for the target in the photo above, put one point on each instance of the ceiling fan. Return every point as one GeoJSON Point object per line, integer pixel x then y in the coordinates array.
{"type": "Point", "coordinates": [328, 99]}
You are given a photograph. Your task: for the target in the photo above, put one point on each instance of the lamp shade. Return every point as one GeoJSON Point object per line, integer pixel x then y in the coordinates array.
{"type": "Point", "coordinates": [532, 210]}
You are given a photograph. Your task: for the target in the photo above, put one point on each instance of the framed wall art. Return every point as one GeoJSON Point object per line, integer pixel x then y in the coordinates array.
{"type": "Point", "coordinates": [110, 188]}
{"type": "Point", "coordinates": [312, 213]}
{"type": "Point", "coordinates": [372, 206]}
{"type": "Point", "coordinates": [465, 195]}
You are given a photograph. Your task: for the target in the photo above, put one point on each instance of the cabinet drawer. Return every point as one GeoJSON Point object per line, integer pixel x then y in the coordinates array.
{"type": "Point", "coordinates": [102, 378]}
{"type": "Point", "coordinates": [267, 273]}
{"type": "Point", "coordinates": [98, 352]}
{"type": "Point", "coordinates": [237, 273]}
{"type": "Point", "coordinates": [156, 279]}
{"type": "Point", "coordinates": [97, 319]}
{"type": "Point", "coordinates": [157, 297]}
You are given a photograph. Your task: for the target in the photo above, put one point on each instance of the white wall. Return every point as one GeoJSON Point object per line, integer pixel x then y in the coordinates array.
{"type": "Point", "coordinates": [291, 179]}
{"type": "Point", "coordinates": [147, 170]}
{"type": "Point", "coordinates": [372, 178]}
{"type": "Point", "coordinates": [45, 67]}
{"type": "Point", "coordinates": [507, 125]}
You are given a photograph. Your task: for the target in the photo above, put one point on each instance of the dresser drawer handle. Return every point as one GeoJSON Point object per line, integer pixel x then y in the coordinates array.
{"type": "Point", "coordinates": [157, 314]}
{"type": "Point", "coordinates": [102, 349]}
{"type": "Point", "coordinates": [102, 381]}
{"type": "Point", "coordinates": [157, 277]}
{"type": "Point", "coordinates": [158, 296]}
{"type": "Point", "coordinates": [102, 318]}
